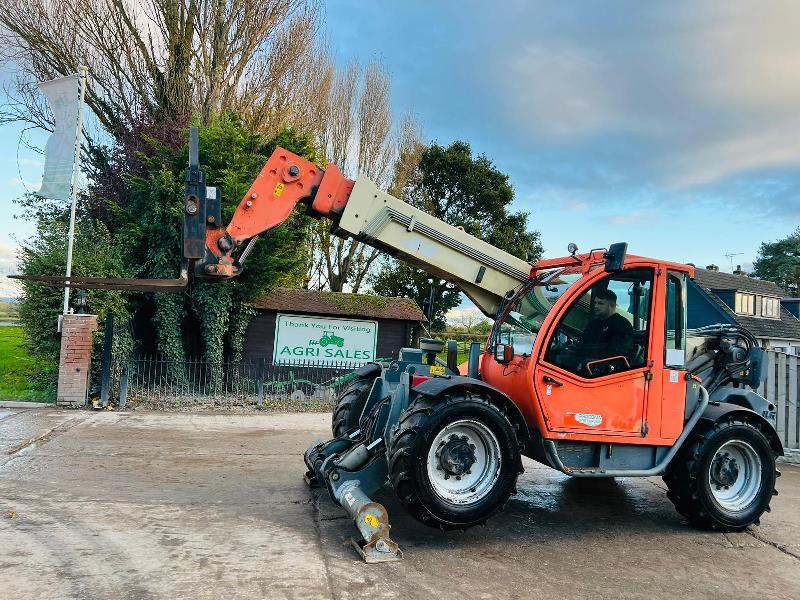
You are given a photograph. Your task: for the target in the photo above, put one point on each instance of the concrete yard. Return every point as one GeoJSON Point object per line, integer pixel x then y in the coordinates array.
{"type": "Point", "coordinates": [154, 505]}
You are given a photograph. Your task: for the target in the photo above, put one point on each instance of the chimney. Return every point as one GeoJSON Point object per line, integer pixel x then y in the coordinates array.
{"type": "Point", "coordinates": [712, 268]}
{"type": "Point", "coordinates": [739, 271]}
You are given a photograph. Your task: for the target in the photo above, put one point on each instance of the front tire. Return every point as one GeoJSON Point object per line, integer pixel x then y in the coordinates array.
{"type": "Point", "coordinates": [725, 477]}
{"type": "Point", "coordinates": [350, 403]}
{"type": "Point", "coordinates": [454, 461]}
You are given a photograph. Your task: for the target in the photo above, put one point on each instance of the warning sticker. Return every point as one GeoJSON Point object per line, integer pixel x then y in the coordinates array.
{"type": "Point", "coordinates": [279, 190]}
{"type": "Point", "coordinates": [673, 376]}
{"type": "Point", "coordinates": [371, 520]}
{"type": "Point", "coordinates": [437, 370]}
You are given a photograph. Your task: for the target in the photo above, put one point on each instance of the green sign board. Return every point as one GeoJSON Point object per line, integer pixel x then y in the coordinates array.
{"type": "Point", "coordinates": [324, 341]}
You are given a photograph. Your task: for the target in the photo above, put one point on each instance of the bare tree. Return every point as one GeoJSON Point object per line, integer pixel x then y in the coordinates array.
{"type": "Point", "coordinates": [165, 59]}
{"type": "Point", "coordinates": [358, 136]}
{"type": "Point", "coordinates": [409, 153]}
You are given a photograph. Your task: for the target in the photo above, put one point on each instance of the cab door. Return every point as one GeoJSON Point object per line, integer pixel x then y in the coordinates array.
{"type": "Point", "coordinates": [591, 386]}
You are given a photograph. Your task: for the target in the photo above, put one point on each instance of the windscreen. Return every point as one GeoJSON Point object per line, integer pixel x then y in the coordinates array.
{"type": "Point", "coordinates": [529, 309]}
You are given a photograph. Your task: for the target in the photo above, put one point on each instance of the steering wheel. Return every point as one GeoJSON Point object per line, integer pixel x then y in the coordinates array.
{"type": "Point", "coordinates": [557, 347]}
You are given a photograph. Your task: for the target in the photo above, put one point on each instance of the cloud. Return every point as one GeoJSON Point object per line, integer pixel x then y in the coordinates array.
{"type": "Point", "coordinates": [683, 94]}
{"type": "Point", "coordinates": [8, 258]}
{"type": "Point", "coordinates": [578, 103]}
{"type": "Point", "coordinates": [464, 315]}
{"type": "Point", "coordinates": [579, 206]}
{"type": "Point", "coordinates": [627, 219]}
{"type": "Point", "coordinates": [740, 152]}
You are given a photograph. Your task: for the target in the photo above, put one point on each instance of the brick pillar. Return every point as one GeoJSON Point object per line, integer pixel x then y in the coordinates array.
{"type": "Point", "coordinates": [76, 357]}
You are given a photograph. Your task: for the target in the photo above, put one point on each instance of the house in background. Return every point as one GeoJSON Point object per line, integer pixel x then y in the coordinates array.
{"type": "Point", "coordinates": [759, 306]}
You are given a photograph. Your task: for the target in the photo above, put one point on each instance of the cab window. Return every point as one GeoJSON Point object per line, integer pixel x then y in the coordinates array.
{"type": "Point", "coordinates": [675, 335]}
{"type": "Point", "coordinates": [528, 311]}
{"type": "Point", "coordinates": [606, 330]}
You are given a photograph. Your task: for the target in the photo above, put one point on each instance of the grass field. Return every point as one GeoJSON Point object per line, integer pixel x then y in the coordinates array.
{"type": "Point", "coordinates": [15, 367]}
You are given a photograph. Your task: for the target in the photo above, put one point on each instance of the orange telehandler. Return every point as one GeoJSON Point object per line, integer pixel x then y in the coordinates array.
{"type": "Point", "coordinates": [591, 368]}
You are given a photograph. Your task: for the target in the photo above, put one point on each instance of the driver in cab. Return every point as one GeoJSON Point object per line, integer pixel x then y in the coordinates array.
{"type": "Point", "coordinates": [608, 334]}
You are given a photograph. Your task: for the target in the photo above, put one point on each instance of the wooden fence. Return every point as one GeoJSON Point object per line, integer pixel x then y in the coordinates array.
{"type": "Point", "coordinates": [782, 389]}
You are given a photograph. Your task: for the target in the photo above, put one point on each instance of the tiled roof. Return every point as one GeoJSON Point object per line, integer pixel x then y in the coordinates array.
{"type": "Point", "coordinates": [340, 304]}
{"type": "Point", "coordinates": [716, 280]}
{"type": "Point", "coordinates": [788, 327]}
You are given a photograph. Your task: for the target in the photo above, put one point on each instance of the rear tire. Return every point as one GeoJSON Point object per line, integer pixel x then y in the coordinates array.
{"type": "Point", "coordinates": [350, 403]}
{"type": "Point", "coordinates": [724, 478]}
{"type": "Point", "coordinates": [454, 461]}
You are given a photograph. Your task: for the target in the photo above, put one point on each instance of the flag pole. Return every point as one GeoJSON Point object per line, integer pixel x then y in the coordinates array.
{"type": "Point", "coordinates": [76, 169]}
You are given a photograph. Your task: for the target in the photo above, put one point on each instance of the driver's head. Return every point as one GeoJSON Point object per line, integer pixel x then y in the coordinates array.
{"type": "Point", "coordinates": [605, 304]}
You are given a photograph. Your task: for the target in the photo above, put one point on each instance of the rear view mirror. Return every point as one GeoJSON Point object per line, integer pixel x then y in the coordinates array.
{"type": "Point", "coordinates": [615, 257]}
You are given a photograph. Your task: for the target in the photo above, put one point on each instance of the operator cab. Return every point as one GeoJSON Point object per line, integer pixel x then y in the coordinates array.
{"type": "Point", "coordinates": [590, 339]}
{"type": "Point", "coordinates": [605, 330]}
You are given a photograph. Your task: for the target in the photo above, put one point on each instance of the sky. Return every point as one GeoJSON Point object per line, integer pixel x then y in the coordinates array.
{"type": "Point", "coordinates": [674, 126]}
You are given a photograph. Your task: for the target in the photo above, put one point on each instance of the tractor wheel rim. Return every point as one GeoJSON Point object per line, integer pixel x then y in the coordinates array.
{"type": "Point", "coordinates": [734, 475]}
{"type": "Point", "coordinates": [464, 461]}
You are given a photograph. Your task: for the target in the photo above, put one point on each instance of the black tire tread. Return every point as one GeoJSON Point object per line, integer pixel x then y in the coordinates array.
{"type": "Point", "coordinates": [351, 402]}
{"type": "Point", "coordinates": [682, 477]}
{"type": "Point", "coordinates": [400, 451]}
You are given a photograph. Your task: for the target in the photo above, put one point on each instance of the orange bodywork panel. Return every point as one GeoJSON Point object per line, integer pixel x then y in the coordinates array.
{"type": "Point", "coordinates": [639, 406]}
{"type": "Point", "coordinates": [613, 405]}
{"type": "Point", "coordinates": [673, 405]}
{"type": "Point", "coordinates": [285, 180]}
{"type": "Point", "coordinates": [333, 192]}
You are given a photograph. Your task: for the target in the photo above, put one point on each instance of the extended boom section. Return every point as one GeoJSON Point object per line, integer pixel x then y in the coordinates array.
{"type": "Point", "coordinates": [362, 211]}
{"type": "Point", "coordinates": [215, 252]}
{"type": "Point", "coordinates": [485, 273]}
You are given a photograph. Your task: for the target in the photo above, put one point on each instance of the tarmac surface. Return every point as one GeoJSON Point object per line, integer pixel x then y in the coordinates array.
{"type": "Point", "coordinates": [155, 505]}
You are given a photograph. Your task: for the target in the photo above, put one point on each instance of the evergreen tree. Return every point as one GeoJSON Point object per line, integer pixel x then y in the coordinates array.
{"type": "Point", "coordinates": [779, 262]}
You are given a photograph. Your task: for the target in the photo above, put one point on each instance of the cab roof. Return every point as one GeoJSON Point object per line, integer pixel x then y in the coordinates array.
{"type": "Point", "coordinates": [587, 261]}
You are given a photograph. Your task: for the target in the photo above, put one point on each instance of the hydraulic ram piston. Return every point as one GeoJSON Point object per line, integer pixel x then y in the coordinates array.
{"type": "Point", "coordinates": [372, 522]}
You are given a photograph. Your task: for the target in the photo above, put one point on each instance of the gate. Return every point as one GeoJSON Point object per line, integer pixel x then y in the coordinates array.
{"type": "Point", "coordinates": [781, 388]}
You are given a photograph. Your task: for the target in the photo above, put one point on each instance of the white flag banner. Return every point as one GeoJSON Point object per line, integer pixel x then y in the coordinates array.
{"type": "Point", "coordinates": [59, 156]}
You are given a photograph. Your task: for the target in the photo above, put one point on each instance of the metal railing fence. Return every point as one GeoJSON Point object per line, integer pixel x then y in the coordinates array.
{"type": "Point", "coordinates": [156, 382]}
